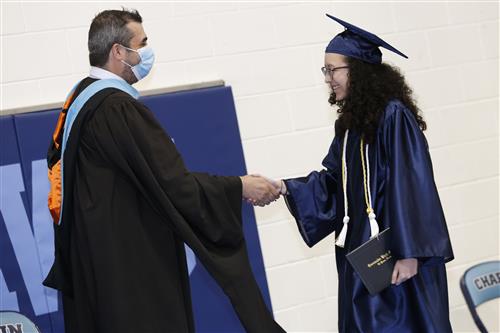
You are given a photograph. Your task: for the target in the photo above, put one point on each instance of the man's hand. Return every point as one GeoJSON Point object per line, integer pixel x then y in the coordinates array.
{"type": "Point", "coordinates": [258, 191]}
{"type": "Point", "coordinates": [403, 270]}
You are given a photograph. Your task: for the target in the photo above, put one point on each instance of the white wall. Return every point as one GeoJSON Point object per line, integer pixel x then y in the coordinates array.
{"type": "Point", "coordinates": [270, 53]}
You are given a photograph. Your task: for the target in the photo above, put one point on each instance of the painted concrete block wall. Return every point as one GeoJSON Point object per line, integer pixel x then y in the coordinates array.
{"type": "Point", "coordinates": [270, 53]}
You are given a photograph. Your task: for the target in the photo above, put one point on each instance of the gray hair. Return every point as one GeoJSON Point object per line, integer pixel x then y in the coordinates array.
{"type": "Point", "coordinates": [107, 28]}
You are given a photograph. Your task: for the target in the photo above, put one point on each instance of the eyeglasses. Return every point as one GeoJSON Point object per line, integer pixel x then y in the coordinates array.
{"type": "Point", "coordinates": [331, 71]}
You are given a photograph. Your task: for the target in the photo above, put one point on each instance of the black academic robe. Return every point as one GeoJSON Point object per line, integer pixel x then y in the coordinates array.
{"type": "Point", "coordinates": [404, 198]}
{"type": "Point", "coordinates": [129, 206]}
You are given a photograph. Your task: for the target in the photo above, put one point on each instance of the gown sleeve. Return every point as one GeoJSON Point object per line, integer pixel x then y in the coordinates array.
{"type": "Point", "coordinates": [203, 210]}
{"type": "Point", "coordinates": [412, 207]}
{"type": "Point", "coordinates": [311, 199]}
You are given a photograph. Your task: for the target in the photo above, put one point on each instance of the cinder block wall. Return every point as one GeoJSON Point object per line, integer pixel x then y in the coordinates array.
{"type": "Point", "coordinates": [270, 53]}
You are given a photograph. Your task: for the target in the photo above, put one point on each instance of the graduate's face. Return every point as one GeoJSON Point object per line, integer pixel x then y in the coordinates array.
{"type": "Point", "coordinates": [337, 78]}
{"type": "Point", "coordinates": [138, 40]}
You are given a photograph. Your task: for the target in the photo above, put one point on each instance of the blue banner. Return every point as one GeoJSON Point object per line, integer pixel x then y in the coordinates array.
{"type": "Point", "coordinates": [204, 127]}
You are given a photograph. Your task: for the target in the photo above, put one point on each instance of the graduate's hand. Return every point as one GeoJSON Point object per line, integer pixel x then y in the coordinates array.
{"type": "Point", "coordinates": [282, 185]}
{"type": "Point", "coordinates": [279, 185]}
{"type": "Point", "coordinates": [404, 269]}
{"type": "Point", "coordinates": [258, 190]}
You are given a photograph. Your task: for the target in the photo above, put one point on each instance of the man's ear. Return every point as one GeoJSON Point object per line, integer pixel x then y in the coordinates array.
{"type": "Point", "coordinates": [117, 52]}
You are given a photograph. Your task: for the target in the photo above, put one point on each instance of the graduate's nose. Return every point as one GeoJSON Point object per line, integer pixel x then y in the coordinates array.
{"type": "Point", "coordinates": [328, 79]}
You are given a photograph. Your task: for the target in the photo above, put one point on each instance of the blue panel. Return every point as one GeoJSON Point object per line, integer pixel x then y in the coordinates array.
{"type": "Point", "coordinates": [8, 143]}
{"type": "Point", "coordinates": [205, 130]}
{"type": "Point", "coordinates": [34, 131]}
{"type": "Point", "coordinates": [204, 127]}
{"type": "Point", "coordinates": [19, 255]}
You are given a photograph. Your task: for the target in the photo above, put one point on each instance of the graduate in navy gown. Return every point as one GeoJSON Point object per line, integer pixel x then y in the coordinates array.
{"type": "Point", "coordinates": [378, 174]}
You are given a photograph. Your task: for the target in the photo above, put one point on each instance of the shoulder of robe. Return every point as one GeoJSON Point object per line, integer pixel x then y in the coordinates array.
{"type": "Point", "coordinates": [120, 103]}
{"type": "Point", "coordinates": [120, 98]}
{"type": "Point", "coordinates": [395, 108]}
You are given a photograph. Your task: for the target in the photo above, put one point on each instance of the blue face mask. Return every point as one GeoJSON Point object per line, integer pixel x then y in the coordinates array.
{"type": "Point", "coordinates": [144, 66]}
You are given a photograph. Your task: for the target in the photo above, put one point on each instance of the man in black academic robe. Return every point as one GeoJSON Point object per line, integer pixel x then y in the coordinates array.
{"type": "Point", "coordinates": [129, 205]}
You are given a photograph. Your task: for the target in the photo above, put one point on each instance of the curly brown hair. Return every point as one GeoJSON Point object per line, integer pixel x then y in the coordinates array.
{"type": "Point", "coordinates": [371, 87]}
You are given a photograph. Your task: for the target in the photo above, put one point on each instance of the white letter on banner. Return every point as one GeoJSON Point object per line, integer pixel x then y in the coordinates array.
{"type": "Point", "coordinates": [190, 259]}
{"type": "Point", "coordinates": [21, 236]}
{"type": "Point", "coordinates": [43, 225]}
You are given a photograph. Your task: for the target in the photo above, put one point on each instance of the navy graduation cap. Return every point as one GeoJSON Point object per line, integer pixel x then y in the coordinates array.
{"type": "Point", "coordinates": [357, 43]}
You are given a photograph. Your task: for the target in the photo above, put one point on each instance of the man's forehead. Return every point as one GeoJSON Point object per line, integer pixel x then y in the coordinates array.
{"type": "Point", "coordinates": [137, 30]}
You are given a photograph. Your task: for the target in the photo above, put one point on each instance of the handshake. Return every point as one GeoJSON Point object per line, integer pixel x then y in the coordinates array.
{"type": "Point", "coordinates": [261, 191]}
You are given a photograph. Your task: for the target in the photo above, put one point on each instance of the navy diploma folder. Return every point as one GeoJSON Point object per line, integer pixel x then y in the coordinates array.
{"type": "Point", "coordinates": [374, 262]}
